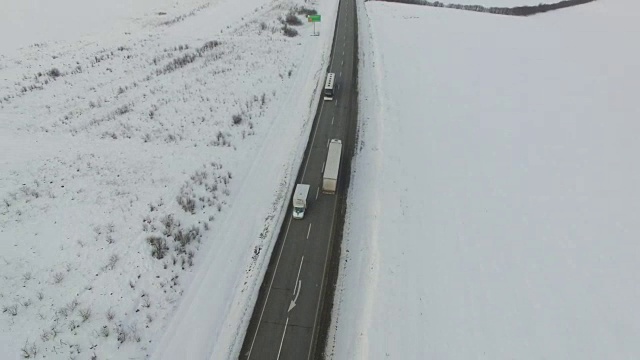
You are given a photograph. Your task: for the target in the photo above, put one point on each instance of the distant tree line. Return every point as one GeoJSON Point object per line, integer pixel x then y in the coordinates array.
{"type": "Point", "coordinates": [513, 11]}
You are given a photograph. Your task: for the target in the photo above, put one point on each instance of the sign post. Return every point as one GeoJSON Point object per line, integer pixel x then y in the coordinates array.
{"type": "Point", "coordinates": [313, 19]}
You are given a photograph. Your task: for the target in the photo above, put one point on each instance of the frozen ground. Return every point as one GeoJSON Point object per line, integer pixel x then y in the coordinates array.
{"type": "Point", "coordinates": [146, 159]}
{"type": "Point", "coordinates": [493, 210]}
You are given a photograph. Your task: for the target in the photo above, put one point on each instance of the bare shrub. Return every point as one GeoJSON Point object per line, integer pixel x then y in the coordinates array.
{"type": "Point", "coordinates": [26, 303]}
{"type": "Point", "coordinates": [135, 336]}
{"type": "Point", "coordinates": [177, 63]}
{"type": "Point", "coordinates": [11, 310]}
{"type": "Point", "coordinates": [221, 140]}
{"type": "Point", "coordinates": [289, 31]}
{"type": "Point", "coordinates": [179, 18]}
{"type": "Point", "coordinates": [58, 277]}
{"type": "Point", "coordinates": [292, 19]}
{"type": "Point", "coordinates": [170, 224]}
{"type": "Point", "coordinates": [54, 73]}
{"type": "Point", "coordinates": [159, 246]}
{"type": "Point", "coordinates": [306, 11]}
{"type": "Point", "coordinates": [73, 325]}
{"type": "Point", "coordinates": [199, 177]}
{"type": "Point", "coordinates": [110, 315]}
{"type": "Point", "coordinates": [63, 311]}
{"type": "Point", "coordinates": [188, 58]}
{"type": "Point", "coordinates": [123, 109]}
{"type": "Point", "coordinates": [146, 302]}
{"type": "Point", "coordinates": [185, 238]}
{"type": "Point", "coordinates": [45, 335]}
{"type": "Point", "coordinates": [40, 295]}
{"type": "Point", "coordinates": [85, 314]}
{"type": "Point", "coordinates": [104, 331]}
{"type": "Point", "coordinates": [113, 259]}
{"type": "Point", "coordinates": [73, 305]}
{"type": "Point", "coordinates": [122, 333]}
{"type": "Point", "coordinates": [29, 350]}
{"type": "Point", "coordinates": [263, 26]}
{"type": "Point", "coordinates": [187, 203]}
{"type": "Point", "coordinates": [26, 276]}
{"type": "Point", "coordinates": [237, 119]}
{"type": "Point", "coordinates": [208, 46]}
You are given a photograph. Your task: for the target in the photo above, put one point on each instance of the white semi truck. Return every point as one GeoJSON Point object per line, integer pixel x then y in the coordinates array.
{"type": "Point", "coordinates": [300, 200]}
{"type": "Point", "coordinates": [332, 167]}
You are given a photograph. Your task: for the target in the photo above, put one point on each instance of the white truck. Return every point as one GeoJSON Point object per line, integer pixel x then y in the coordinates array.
{"type": "Point", "coordinates": [332, 167]}
{"type": "Point", "coordinates": [300, 200]}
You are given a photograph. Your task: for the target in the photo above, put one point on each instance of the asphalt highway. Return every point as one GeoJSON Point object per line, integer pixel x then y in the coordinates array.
{"type": "Point", "coordinates": [290, 315]}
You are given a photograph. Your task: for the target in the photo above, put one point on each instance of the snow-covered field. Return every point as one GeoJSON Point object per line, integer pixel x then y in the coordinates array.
{"type": "Point", "coordinates": [147, 152]}
{"type": "Point", "coordinates": [493, 209]}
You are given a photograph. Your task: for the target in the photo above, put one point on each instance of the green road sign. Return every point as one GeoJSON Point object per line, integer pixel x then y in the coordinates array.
{"type": "Point", "coordinates": [313, 18]}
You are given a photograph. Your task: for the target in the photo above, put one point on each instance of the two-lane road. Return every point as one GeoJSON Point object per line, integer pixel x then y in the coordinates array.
{"type": "Point", "coordinates": [291, 309]}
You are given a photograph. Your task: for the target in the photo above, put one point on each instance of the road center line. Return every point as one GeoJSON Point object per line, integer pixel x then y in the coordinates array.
{"type": "Point", "coordinates": [309, 231]}
{"type": "Point", "coordinates": [333, 117]}
{"type": "Point", "coordinates": [322, 168]}
{"type": "Point", "coordinates": [317, 192]}
{"type": "Point", "coordinates": [313, 140]}
{"type": "Point", "coordinates": [282, 341]}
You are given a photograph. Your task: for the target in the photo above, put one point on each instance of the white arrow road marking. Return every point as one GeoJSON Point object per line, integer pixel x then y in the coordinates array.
{"type": "Point", "coordinates": [293, 302]}
{"type": "Point", "coordinates": [296, 289]}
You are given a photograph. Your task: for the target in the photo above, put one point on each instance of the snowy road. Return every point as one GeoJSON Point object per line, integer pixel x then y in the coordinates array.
{"type": "Point", "coordinates": [288, 321]}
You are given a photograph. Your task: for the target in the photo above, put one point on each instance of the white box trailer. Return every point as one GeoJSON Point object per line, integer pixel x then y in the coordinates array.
{"type": "Point", "coordinates": [300, 200]}
{"type": "Point", "coordinates": [328, 86]}
{"type": "Point", "coordinates": [332, 167]}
